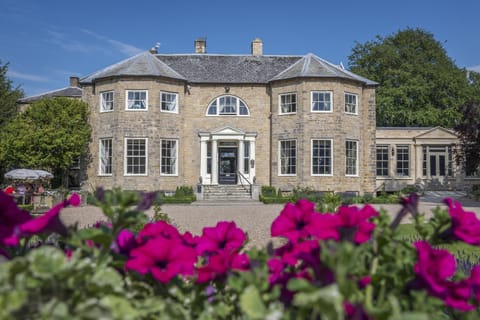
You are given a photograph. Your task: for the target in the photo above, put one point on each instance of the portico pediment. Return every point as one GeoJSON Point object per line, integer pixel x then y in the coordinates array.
{"type": "Point", "coordinates": [437, 133]}
{"type": "Point", "coordinates": [227, 131]}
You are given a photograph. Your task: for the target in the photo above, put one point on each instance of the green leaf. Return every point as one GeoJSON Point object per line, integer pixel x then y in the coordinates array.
{"type": "Point", "coordinates": [300, 284]}
{"type": "Point", "coordinates": [46, 261]}
{"type": "Point", "coordinates": [326, 300]}
{"type": "Point", "coordinates": [251, 303]}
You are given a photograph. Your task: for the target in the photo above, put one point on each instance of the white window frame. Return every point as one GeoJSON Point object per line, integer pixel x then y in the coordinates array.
{"type": "Point", "coordinates": [402, 147]}
{"type": "Point", "coordinates": [104, 102]}
{"type": "Point", "coordinates": [127, 100]}
{"type": "Point", "coordinates": [280, 163]}
{"type": "Point", "coordinates": [384, 147]}
{"type": "Point", "coordinates": [175, 157]}
{"type": "Point", "coordinates": [125, 157]}
{"type": "Point", "coordinates": [239, 104]}
{"type": "Point", "coordinates": [347, 158]}
{"type": "Point", "coordinates": [313, 102]}
{"type": "Point", "coordinates": [280, 104]}
{"type": "Point", "coordinates": [101, 166]}
{"type": "Point", "coordinates": [331, 159]}
{"type": "Point", "coordinates": [348, 103]}
{"type": "Point", "coordinates": [162, 93]}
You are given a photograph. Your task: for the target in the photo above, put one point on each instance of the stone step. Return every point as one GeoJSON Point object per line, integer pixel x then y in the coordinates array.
{"type": "Point", "coordinates": [224, 193]}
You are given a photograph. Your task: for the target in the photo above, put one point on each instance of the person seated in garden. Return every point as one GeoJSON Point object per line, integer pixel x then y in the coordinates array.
{"type": "Point", "coordinates": [9, 190]}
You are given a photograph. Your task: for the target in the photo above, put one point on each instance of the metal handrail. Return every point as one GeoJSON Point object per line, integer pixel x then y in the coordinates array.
{"type": "Point", "coordinates": [241, 180]}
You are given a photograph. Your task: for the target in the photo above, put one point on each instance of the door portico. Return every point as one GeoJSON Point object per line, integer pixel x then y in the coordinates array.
{"type": "Point", "coordinates": [226, 152]}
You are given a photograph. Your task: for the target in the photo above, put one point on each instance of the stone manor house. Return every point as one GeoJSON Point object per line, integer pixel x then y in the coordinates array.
{"type": "Point", "coordinates": [210, 120]}
{"type": "Point", "coordinates": [164, 120]}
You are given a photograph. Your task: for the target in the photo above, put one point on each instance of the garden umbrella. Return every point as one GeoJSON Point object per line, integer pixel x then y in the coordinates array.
{"type": "Point", "coordinates": [44, 174]}
{"type": "Point", "coordinates": [22, 174]}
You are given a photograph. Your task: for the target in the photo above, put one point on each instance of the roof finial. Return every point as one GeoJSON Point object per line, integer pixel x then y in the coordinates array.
{"type": "Point", "coordinates": [154, 49]}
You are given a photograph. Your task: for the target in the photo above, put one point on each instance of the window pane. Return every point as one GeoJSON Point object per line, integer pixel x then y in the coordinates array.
{"type": "Point", "coordinates": [351, 157]}
{"type": "Point", "coordinates": [168, 101]}
{"type": "Point", "coordinates": [288, 103]}
{"type": "Point", "coordinates": [322, 157]}
{"type": "Point", "coordinates": [403, 161]}
{"type": "Point", "coordinates": [137, 100]}
{"type": "Point", "coordinates": [105, 156]}
{"type": "Point", "coordinates": [107, 101]}
{"type": "Point", "coordinates": [136, 156]}
{"type": "Point", "coordinates": [246, 157]}
{"type": "Point", "coordinates": [169, 157]}
{"type": "Point", "coordinates": [350, 103]}
{"type": "Point", "coordinates": [382, 161]}
{"type": "Point", "coordinates": [321, 101]}
{"type": "Point", "coordinates": [228, 105]}
{"type": "Point", "coordinates": [288, 157]}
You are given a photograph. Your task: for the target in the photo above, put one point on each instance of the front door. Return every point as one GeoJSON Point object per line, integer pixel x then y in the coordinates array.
{"type": "Point", "coordinates": [227, 165]}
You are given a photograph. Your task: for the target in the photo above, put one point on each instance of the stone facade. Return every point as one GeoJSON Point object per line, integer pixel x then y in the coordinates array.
{"type": "Point", "coordinates": [204, 141]}
{"type": "Point", "coordinates": [424, 157]}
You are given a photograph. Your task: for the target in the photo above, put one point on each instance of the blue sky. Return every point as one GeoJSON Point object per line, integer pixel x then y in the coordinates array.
{"type": "Point", "coordinates": [46, 42]}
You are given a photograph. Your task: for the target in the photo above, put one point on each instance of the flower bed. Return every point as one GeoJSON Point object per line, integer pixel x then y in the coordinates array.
{"type": "Point", "coordinates": [351, 264]}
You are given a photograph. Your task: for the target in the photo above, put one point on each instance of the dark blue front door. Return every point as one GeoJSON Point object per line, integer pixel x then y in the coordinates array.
{"type": "Point", "coordinates": [227, 164]}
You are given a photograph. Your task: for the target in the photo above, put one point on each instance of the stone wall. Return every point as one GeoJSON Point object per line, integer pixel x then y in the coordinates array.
{"type": "Point", "coordinates": [264, 120]}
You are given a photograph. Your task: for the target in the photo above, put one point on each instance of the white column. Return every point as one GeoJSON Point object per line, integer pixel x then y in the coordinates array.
{"type": "Point", "coordinates": [418, 162]}
{"type": "Point", "coordinates": [203, 160]}
{"type": "Point", "coordinates": [252, 156]}
{"type": "Point", "coordinates": [240, 156]}
{"type": "Point", "coordinates": [214, 162]}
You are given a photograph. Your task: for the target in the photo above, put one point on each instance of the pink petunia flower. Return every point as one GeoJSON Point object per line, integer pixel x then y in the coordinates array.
{"type": "Point", "coordinates": [474, 281]}
{"type": "Point", "coordinates": [163, 259]}
{"type": "Point", "coordinates": [296, 221]}
{"type": "Point", "coordinates": [465, 225]}
{"type": "Point", "coordinates": [433, 268]}
{"type": "Point", "coordinates": [50, 221]}
{"type": "Point", "coordinates": [357, 220]}
{"type": "Point", "coordinates": [458, 294]}
{"type": "Point", "coordinates": [224, 236]}
{"type": "Point", "coordinates": [11, 217]}
{"type": "Point", "coordinates": [124, 243]}
{"type": "Point", "coordinates": [158, 229]}
{"type": "Point", "coordinates": [220, 264]}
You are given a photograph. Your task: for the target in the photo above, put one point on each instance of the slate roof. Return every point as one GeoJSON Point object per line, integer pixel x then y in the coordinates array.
{"type": "Point", "coordinates": [213, 68]}
{"type": "Point", "coordinates": [70, 92]}
{"type": "Point", "coordinates": [142, 64]}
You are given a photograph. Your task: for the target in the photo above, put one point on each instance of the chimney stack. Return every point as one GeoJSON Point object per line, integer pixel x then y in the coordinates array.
{"type": "Point", "coordinates": [74, 82]}
{"type": "Point", "coordinates": [201, 45]}
{"type": "Point", "coordinates": [257, 47]}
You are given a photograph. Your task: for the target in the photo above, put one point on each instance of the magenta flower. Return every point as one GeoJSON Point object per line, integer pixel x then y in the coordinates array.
{"type": "Point", "coordinates": [465, 225]}
{"type": "Point", "coordinates": [475, 281]}
{"type": "Point", "coordinates": [364, 282]}
{"type": "Point", "coordinates": [357, 221]}
{"type": "Point", "coordinates": [433, 268]}
{"type": "Point", "coordinates": [458, 294]}
{"type": "Point", "coordinates": [11, 217]}
{"type": "Point", "coordinates": [50, 221]}
{"type": "Point", "coordinates": [224, 236]}
{"type": "Point", "coordinates": [124, 243]}
{"type": "Point", "coordinates": [220, 264]}
{"type": "Point", "coordinates": [158, 229]}
{"type": "Point", "coordinates": [296, 221]}
{"type": "Point", "coordinates": [163, 259]}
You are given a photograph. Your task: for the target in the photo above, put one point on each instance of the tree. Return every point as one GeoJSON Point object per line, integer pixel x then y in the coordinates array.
{"type": "Point", "coordinates": [8, 96]}
{"type": "Point", "coordinates": [419, 85]}
{"type": "Point", "coordinates": [49, 135]}
{"type": "Point", "coordinates": [469, 136]}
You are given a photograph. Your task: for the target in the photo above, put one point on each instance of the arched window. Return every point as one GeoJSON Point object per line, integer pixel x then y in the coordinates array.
{"type": "Point", "coordinates": [227, 106]}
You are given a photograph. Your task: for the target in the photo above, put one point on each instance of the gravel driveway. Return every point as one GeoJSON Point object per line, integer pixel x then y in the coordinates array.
{"type": "Point", "coordinates": [254, 218]}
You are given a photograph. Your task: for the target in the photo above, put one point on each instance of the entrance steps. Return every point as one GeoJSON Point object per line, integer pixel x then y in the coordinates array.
{"type": "Point", "coordinates": [226, 193]}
